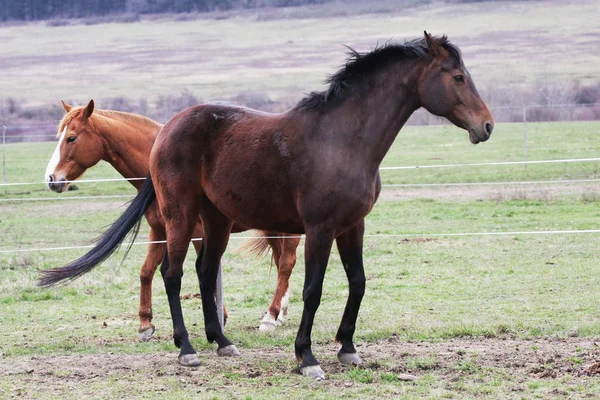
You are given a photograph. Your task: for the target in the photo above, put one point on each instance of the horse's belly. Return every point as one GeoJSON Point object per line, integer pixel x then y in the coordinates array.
{"type": "Point", "coordinates": [256, 207]}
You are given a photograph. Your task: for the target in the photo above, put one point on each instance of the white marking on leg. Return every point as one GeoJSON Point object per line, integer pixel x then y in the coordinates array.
{"type": "Point", "coordinates": [55, 158]}
{"type": "Point", "coordinates": [285, 301]}
{"type": "Point", "coordinates": [268, 323]}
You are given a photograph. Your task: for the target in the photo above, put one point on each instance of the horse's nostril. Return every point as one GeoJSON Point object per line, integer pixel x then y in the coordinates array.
{"type": "Point", "coordinates": [488, 127]}
{"type": "Point", "coordinates": [50, 178]}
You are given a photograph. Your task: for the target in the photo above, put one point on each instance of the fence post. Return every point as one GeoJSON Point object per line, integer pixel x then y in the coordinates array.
{"type": "Point", "coordinates": [220, 298]}
{"type": "Point", "coordinates": [525, 133]}
{"type": "Point", "coordinates": [4, 158]}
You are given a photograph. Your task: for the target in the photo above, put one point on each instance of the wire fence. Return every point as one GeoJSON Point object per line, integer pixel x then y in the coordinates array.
{"type": "Point", "coordinates": [528, 113]}
{"type": "Point", "coordinates": [396, 235]}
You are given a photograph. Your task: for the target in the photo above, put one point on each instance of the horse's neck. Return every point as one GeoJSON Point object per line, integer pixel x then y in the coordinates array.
{"type": "Point", "coordinates": [127, 146]}
{"type": "Point", "coordinates": [384, 109]}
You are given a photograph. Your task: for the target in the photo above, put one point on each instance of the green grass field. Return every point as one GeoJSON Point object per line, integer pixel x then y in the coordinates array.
{"type": "Point", "coordinates": [511, 316]}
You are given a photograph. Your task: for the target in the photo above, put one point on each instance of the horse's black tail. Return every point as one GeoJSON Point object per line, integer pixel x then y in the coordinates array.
{"type": "Point", "coordinates": [108, 243]}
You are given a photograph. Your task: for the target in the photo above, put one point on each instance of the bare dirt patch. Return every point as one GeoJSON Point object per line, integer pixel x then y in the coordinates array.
{"type": "Point", "coordinates": [523, 360]}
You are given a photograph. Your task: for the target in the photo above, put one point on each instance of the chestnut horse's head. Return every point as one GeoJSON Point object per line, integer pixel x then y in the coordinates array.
{"type": "Point", "coordinates": [446, 89]}
{"type": "Point", "coordinates": [78, 148]}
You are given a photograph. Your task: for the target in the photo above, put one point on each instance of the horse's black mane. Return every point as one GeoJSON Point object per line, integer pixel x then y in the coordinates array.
{"type": "Point", "coordinates": [358, 65]}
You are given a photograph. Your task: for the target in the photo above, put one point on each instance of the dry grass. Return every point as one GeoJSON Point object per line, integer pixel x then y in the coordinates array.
{"type": "Point", "coordinates": [508, 44]}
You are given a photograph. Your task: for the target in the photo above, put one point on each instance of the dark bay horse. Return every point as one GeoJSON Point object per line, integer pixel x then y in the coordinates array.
{"type": "Point", "coordinates": [312, 170]}
{"type": "Point", "coordinates": [124, 140]}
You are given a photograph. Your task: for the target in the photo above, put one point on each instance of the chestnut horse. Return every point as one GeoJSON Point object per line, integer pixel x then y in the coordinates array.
{"type": "Point", "coordinates": [87, 135]}
{"type": "Point", "coordinates": [312, 169]}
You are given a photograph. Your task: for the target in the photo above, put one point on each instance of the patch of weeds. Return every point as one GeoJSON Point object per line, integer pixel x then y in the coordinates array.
{"type": "Point", "coordinates": [362, 375]}
{"type": "Point", "coordinates": [389, 377]}
{"type": "Point", "coordinates": [575, 360]}
{"type": "Point", "coordinates": [536, 331]}
{"type": "Point", "coordinates": [467, 366]}
{"type": "Point", "coordinates": [168, 345]}
{"type": "Point", "coordinates": [467, 331]}
{"type": "Point", "coordinates": [422, 363]}
{"type": "Point", "coordinates": [7, 300]}
{"type": "Point", "coordinates": [70, 292]}
{"type": "Point", "coordinates": [503, 329]}
{"type": "Point", "coordinates": [37, 295]}
{"type": "Point", "coordinates": [533, 385]}
{"type": "Point", "coordinates": [483, 390]}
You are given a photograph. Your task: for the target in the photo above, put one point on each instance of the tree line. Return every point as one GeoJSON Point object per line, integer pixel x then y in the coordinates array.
{"type": "Point", "coordinates": [31, 10]}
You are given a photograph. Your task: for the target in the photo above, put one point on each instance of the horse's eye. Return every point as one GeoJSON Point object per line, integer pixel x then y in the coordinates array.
{"type": "Point", "coordinates": [71, 139]}
{"type": "Point", "coordinates": [459, 78]}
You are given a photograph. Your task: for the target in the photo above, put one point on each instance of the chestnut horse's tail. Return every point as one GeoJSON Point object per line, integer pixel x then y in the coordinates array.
{"type": "Point", "coordinates": [259, 245]}
{"type": "Point", "coordinates": [256, 246]}
{"type": "Point", "coordinates": [108, 243]}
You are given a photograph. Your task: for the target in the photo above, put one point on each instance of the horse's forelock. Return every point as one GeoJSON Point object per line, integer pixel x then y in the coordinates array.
{"type": "Point", "coordinates": [70, 116]}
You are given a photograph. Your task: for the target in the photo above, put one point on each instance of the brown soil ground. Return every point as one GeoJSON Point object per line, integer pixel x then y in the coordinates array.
{"type": "Point", "coordinates": [524, 360]}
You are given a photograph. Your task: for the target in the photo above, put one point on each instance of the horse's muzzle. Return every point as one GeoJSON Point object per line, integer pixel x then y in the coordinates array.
{"type": "Point", "coordinates": [481, 134]}
{"type": "Point", "coordinates": [57, 186]}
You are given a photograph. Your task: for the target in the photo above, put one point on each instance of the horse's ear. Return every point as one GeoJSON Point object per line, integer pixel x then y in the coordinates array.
{"type": "Point", "coordinates": [66, 106]}
{"type": "Point", "coordinates": [432, 45]}
{"type": "Point", "coordinates": [88, 110]}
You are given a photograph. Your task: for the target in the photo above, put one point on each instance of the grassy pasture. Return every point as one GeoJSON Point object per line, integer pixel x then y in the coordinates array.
{"type": "Point", "coordinates": [505, 44]}
{"type": "Point", "coordinates": [472, 317]}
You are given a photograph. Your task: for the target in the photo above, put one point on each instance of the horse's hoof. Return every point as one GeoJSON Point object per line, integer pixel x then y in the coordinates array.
{"type": "Point", "coordinates": [313, 371]}
{"type": "Point", "coordinates": [268, 323]}
{"type": "Point", "coordinates": [189, 360]}
{"type": "Point", "coordinates": [228, 351]}
{"type": "Point", "coordinates": [349, 359]}
{"type": "Point", "coordinates": [146, 334]}
{"type": "Point", "coordinates": [266, 326]}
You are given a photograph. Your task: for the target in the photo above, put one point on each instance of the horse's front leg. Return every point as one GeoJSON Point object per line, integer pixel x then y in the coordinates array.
{"type": "Point", "coordinates": [350, 246]}
{"type": "Point", "coordinates": [317, 250]}
{"type": "Point", "coordinates": [156, 253]}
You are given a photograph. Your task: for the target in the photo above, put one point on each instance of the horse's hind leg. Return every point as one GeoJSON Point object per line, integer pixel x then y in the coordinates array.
{"type": "Point", "coordinates": [284, 254]}
{"type": "Point", "coordinates": [179, 230]}
{"type": "Point", "coordinates": [156, 253]}
{"type": "Point", "coordinates": [217, 228]}
{"type": "Point", "coordinates": [199, 233]}
{"type": "Point", "coordinates": [350, 245]}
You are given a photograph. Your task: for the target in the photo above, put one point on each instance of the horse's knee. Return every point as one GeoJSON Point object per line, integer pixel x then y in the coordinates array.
{"type": "Point", "coordinates": [357, 285]}
{"type": "Point", "coordinates": [146, 277]}
{"type": "Point", "coordinates": [312, 298]}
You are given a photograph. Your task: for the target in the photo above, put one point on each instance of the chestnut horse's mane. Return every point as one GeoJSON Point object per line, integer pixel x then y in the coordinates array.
{"type": "Point", "coordinates": [118, 115]}
{"type": "Point", "coordinates": [350, 77]}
